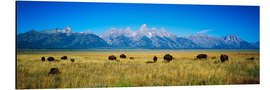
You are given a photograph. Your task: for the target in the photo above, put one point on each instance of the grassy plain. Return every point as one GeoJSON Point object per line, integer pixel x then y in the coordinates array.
{"type": "Point", "coordinates": [93, 69]}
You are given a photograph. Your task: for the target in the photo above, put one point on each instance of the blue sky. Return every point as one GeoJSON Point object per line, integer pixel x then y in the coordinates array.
{"type": "Point", "coordinates": [182, 20]}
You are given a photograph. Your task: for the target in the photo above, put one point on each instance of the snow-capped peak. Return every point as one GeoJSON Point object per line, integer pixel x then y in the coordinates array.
{"type": "Point", "coordinates": [143, 28]}
{"type": "Point", "coordinates": [67, 30]}
{"type": "Point", "coordinates": [143, 31]}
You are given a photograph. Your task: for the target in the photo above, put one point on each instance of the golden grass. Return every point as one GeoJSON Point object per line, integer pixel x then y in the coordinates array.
{"type": "Point", "coordinates": [93, 69]}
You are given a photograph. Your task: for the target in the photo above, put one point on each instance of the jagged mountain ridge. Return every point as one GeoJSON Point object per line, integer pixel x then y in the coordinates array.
{"type": "Point", "coordinates": [148, 38]}
{"type": "Point", "coordinates": [230, 41]}
{"type": "Point", "coordinates": [145, 38]}
{"type": "Point", "coordinates": [59, 39]}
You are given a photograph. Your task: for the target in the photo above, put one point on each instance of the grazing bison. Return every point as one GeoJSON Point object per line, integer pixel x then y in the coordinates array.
{"type": "Point", "coordinates": [112, 57]}
{"type": "Point", "coordinates": [168, 57]}
{"type": "Point", "coordinates": [155, 58]}
{"type": "Point", "coordinates": [72, 60]}
{"type": "Point", "coordinates": [64, 58]}
{"type": "Point", "coordinates": [131, 58]}
{"type": "Point", "coordinates": [43, 59]}
{"type": "Point", "coordinates": [148, 62]}
{"type": "Point", "coordinates": [252, 58]}
{"type": "Point", "coordinates": [50, 59]}
{"type": "Point", "coordinates": [123, 56]}
{"type": "Point", "coordinates": [54, 71]}
{"type": "Point", "coordinates": [202, 56]}
{"type": "Point", "coordinates": [224, 58]}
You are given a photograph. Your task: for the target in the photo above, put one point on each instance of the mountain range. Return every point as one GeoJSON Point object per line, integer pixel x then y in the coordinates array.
{"type": "Point", "coordinates": [145, 38]}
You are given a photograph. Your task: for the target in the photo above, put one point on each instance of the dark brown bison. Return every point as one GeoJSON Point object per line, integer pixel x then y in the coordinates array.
{"type": "Point", "coordinates": [112, 57]}
{"type": "Point", "coordinates": [224, 58]}
{"type": "Point", "coordinates": [131, 58]}
{"type": "Point", "coordinates": [148, 62]}
{"type": "Point", "coordinates": [202, 56]}
{"type": "Point", "coordinates": [54, 71]}
{"type": "Point", "coordinates": [72, 60]}
{"type": "Point", "coordinates": [50, 59]}
{"type": "Point", "coordinates": [168, 57]}
{"type": "Point", "coordinates": [123, 56]}
{"type": "Point", "coordinates": [155, 58]}
{"type": "Point", "coordinates": [64, 58]}
{"type": "Point", "coordinates": [251, 58]}
{"type": "Point", "coordinates": [43, 59]}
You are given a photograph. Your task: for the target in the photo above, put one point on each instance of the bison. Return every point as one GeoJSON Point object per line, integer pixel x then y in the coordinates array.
{"type": "Point", "coordinates": [112, 57]}
{"type": "Point", "coordinates": [131, 58]}
{"type": "Point", "coordinates": [43, 59]}
{"type": "Point", "coordinates": [251, 58]}
{"type": "Point", "coordinates": [123, 56]}
{"type": "Point", "coordinates": [72, 60]}
{"type": "Point", "coordinates": [54, 71]}
{"type": "Point", "coordinates": [64, 58]}
{"type": "Point", "coordinates": [224, 58]}
{"type": "Point", "coordinates": [50, 59]}
{"type": "Point", "coordinates": [202, 56]}
{"type": "Point", "coordinates": [168, 57]}
{"type": "Point", "coordinates": [155, 58]}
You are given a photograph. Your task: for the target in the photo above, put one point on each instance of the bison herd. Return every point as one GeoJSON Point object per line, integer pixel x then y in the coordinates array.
{"type": "Point", "coordinates": [43, 59]}
{"type": "Point", "coordinates": [55, 70]}
{"type": "Point", "coordinates": [223, 57]}
{"type": "Point", "coordinates": [169, 58]}
{"type": "Point", "coordinates": [166, 58]}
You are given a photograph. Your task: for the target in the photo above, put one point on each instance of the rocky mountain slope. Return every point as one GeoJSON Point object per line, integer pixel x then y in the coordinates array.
{"type": "Point", "coordinates": [58, 39]}
{"type": "Point", "coordinates": [147, 38]}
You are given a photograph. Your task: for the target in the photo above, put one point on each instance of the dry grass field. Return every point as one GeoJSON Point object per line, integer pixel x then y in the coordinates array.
{"type": "Point", "coordinates": [93, 69]}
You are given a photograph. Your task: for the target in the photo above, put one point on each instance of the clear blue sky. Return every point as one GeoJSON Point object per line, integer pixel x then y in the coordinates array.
{"type": "Point", "coordinates": [178, 19]}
